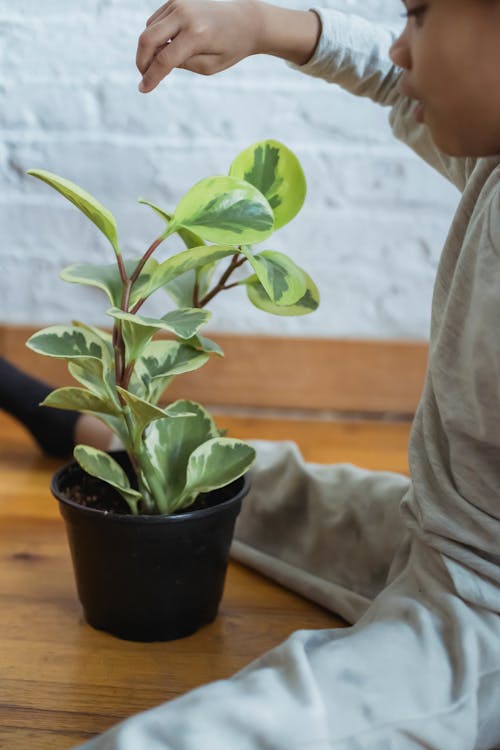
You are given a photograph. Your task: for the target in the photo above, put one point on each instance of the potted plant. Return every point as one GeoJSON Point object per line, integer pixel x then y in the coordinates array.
{"type": "Point", "coordinates": [149, 528]}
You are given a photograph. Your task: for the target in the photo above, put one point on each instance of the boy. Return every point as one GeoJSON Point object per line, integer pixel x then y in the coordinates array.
{"type": "Point", "coordinates": [415, 564]}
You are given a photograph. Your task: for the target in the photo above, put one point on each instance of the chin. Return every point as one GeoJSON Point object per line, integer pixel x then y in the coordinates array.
{"type": "Point", "coordinates": [463, 145]}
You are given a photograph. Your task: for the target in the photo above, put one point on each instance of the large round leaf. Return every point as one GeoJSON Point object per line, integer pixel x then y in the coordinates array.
{"type": "Point", "coordinates": [276, 172]}
{"type": "Point", "coordinates": [225, 210]}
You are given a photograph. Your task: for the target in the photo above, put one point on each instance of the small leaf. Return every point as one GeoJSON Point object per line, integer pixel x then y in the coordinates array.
{"type": "Point", "coordinates": [95, 211]}
{"type": "Point", "coordinates": [283, 280]}
{"type": "Point", "coordinates": [276, 172]}
{"type": "Point", "coordinates": [67, 342]}
{"type": "Point", "coordinates": [259, 297]}
{"type": "Point", "coordinates": [195, 257]}
{"type": "Point", "coordinates": [190, 239]}
{"type": "Point", "coordinates": [225, 210]}
{"type": "Point", "coordinates": [138, 330]}
{"type": "Point", "coordinates": [161, 361]}
{"type": "Point", "coordinates": [107, 278]}
{"type": "Point", "coordinates": [170, 442]}
{"type": "Point", "coordinates": [143, 413]}
{"type": "Point", "coordinates": [202, 344]}
{"type": "Point", "coordinates": [216, 463]}
{"type": "Point", "coordinates": [101, 465]}
{"type": "Point", "coordinates": [79, 399]}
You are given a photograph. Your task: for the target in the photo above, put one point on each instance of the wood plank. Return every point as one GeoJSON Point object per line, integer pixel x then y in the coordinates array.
{"type": "Point", "coordinates": [283, 373]}
{"type": "Point", "coordinates": [62, 682]}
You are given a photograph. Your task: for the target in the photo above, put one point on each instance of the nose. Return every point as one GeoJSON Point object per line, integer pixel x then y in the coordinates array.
{"type": "Point", "coordinates": [400, 51]}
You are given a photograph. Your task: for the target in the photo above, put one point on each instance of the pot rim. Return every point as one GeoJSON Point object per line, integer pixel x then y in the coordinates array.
{"type": "Point", "coordinates": [96, 513]}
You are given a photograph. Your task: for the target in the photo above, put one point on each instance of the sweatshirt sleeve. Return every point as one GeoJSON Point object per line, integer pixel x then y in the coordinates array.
{"type": "Point", "coordinates": [354, 54]}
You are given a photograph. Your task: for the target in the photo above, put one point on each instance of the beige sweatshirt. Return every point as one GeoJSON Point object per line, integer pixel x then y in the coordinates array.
{"type": "Point", "coordinates": [454, 499]}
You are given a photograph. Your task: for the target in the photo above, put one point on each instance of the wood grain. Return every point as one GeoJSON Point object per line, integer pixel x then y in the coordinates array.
{"type": "Point", "coordinates": [283, 373]}
{"type": "Point", "coordinates": [61, 682]}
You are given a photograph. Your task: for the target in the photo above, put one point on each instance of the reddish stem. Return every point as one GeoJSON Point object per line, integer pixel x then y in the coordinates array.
{"type": "Point", "coordinates": [221, 284]}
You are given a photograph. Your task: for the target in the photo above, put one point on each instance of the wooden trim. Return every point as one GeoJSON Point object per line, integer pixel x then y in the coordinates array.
{"type": "Point", "coordinates": [279, 372]}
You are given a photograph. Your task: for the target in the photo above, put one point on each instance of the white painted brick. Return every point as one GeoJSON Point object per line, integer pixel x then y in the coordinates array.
{"type": "Point", "coordinates": [45, 107]}
{"type": "Point", "coordinates": [371, 229]}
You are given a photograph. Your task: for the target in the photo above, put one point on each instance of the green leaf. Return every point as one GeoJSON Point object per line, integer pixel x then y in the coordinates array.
{"type": "Point", "coordinates": [161, 361]}
{"type": "Point", "coordinates": [283, 280]}
{"type": "Point", "coordinates": [143, 413]}
{"type": "Point", "coordinates": [79, 399]}
{"type": "Point", "coordinates": [95, 211]}
{"type": "Point", "coordinates": [225, 210]}
{"type": "Point", "coordinates": [259, 297]}
{"type": "Point", "coordinates": [181, 289]}
{"type": "Point", "coordinates": [107, 278]}
{"type": "Point", "coordinates": [216, 463]}
{"type": "Point", "coordinates": [105, 336]}
{"type": "Point", "coordinates": [170, 442]}
{"type": "Point", "coordinates": [101, 465]}
{"type": "Point", "coordinates": [68, 342]}
{"type": "Point", "coordinates": [137, 330]}
{"type": "Point", "coordinates": [276, 172]}
{"type": "Point", "coordinates": [186, 260]}
{"type": "Point", "coordinates": [202, 344]}
{"type": "Point", "coordinates": [190, 239]}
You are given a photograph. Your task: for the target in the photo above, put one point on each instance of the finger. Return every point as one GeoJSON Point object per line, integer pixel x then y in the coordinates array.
{"type": "Point", "coordinates": [169, 8]}
{"type": "Point", "coordinates": [152, 40]}
{"type": "Point", "coordinates": [158, 13]}
{"type": "Point", "coordinates": [170, 57]}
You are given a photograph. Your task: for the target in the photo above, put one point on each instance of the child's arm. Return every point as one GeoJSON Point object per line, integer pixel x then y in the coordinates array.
{"type": "Point", "coordinates": [211, 36]}
{"type": "Point", "coordinates": [354, 53]}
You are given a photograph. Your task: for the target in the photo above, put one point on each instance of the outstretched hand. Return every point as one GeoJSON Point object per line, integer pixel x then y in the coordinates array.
{"type": "Point", "coordinates": [204, 36]}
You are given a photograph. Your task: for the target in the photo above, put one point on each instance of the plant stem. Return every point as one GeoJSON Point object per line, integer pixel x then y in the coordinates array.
{"type": "Point", "coordinates": [236, 262]}
{"type": "Point", "coordinates": [149, 252]}
{"type": "Point", "coordinates": [121, 268]}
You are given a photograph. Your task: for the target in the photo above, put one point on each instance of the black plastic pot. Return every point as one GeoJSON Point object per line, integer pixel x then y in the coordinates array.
{"type": "Point", "coordinates": [149, 578]}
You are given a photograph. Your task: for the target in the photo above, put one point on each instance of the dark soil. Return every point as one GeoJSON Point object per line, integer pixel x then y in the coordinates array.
{"type": "Point", "coordinates": [93, 493]}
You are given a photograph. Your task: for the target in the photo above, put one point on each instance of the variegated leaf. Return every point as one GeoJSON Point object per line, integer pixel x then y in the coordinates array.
{"type": "Point", "coordinates": [103, 466]}
{"type": "Point", "coordinates": [138, 330]}
{"type": "Point", "coordinates": [259, 297]}
{"type": "Point", "coordinates": [276, 172]}
{"type": "Point", "coordinates": [67, 342]}
{"type": "Point", "coordinates": [195, 257]}
{"type": "Point", "coordinates": [161, 361]}
{"type": "Point", "coordinates": [106, 337]}
{"type": "Point", "coordinates": [79, 399]}
{"type": "Point", "coordinates": [216, 463]}
{"type": "Point", "coordinates": [225, 210]}
{"type": "Point", "coordinates": [283, 280]}
{"type": "Point", "coordinates": [93, 210]}
{"type": "Point", "coordinates": [89, 372]}
{"type": "Point", "coordinates": [202, 344]}
{"type": "Point", "coordinates": [107, 278]}
{"type": "Point", "coordinates": [143, 413]}
{"type": "Point", "coordinates": [190, 239]}
{"type": "Point", "coordinates": [170, 442]}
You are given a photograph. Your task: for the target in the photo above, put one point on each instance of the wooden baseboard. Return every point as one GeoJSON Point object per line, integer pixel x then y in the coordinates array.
{"type": "Point", "coordinates": [278, 372]}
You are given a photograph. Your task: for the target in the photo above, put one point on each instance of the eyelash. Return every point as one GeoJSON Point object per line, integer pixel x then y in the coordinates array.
{"type": "Point", "coordinates": [416, 12]}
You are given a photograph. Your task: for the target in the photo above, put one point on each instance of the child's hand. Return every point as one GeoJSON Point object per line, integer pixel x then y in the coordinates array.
{"type": "Point", "coordinates": [207, 37]}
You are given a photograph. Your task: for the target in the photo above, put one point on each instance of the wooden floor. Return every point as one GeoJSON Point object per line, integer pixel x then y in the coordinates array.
{"type": "Point", "coordinates": [61, 682]}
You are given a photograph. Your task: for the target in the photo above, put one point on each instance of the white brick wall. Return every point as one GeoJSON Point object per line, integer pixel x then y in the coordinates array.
{"type": "Point", "coordinates": [372, 226]}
